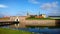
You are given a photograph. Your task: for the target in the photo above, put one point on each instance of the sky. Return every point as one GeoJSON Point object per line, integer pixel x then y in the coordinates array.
{"type": "Point", "coordinates": [33, 7]}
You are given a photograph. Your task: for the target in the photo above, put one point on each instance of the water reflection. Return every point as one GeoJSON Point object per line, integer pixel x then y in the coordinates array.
{"type": "Point", "coordinates": [45, 30]}
{"type": "Point", "coordinates": [40, 30]}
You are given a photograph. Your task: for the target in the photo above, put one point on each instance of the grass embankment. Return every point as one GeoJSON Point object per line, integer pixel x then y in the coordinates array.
{"type": "Point", "coordinates": [39, 19]}
{"type": "Point", "coordinates": [50, 27]}
{"type": "Point", "coordinates": [9, 31]}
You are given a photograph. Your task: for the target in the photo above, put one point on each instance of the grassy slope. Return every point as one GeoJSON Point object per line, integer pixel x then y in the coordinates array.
{"type": "Point", "coordinates": [9, 31]}
{"type": "Point", "coordinates": [39, 19]}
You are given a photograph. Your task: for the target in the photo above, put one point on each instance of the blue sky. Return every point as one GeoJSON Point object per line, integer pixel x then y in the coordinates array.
{"type": "Point", "coordinates": [21, 7]}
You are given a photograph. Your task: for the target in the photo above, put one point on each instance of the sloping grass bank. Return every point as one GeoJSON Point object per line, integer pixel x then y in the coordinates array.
{"type": "Point", "coordinates": [39, 19]}
{"type": "Point", "coordinates": [9, 31]}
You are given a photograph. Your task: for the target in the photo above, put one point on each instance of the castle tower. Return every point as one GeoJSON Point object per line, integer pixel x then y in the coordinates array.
{"type": "Point", "coordinates": [28, 14]}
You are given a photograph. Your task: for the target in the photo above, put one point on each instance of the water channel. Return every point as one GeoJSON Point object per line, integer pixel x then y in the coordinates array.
{"type": "Point", "coordinates": [39, 30]}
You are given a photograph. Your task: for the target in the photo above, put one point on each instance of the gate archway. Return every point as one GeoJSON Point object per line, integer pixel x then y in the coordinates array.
{"type": "Point", "coordinates": [17, 24]}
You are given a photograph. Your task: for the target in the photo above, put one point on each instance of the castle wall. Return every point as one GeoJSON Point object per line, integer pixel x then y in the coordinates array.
{"type": "Point", "coordinates": [23, 23]}
{"type": "Point", "coordinates": [40, 22]}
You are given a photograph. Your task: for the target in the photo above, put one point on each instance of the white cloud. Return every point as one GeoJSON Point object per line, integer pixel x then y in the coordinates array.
{"type": "Point", "coordinates": [47, 6]}
{"type": "Point", "coordinates": [33, 1]}
{"type": "Point", "coordinates": [3, 6]}
{"type": "Point", "coordinates": [52, 7]}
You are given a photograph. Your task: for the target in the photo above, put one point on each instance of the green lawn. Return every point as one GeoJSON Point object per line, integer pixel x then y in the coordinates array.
{"type": "Point", "coordinates": [9, 31]}
{"type": "Point", "coordinates": [39, 19]}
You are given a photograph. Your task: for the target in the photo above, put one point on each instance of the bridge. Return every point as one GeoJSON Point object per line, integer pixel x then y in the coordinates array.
{"type": "Point", "coordinates": [6, 23]}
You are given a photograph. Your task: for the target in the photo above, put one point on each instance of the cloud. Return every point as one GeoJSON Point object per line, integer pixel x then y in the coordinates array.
{"type": "Point", "coordinates": [47, 6]}
{"type": "Point", "coordinates": [53, 8]}
{"type": "Point", "coordinates": [33, 1]}
{"type": "Point", "coordinates": [3, 6]}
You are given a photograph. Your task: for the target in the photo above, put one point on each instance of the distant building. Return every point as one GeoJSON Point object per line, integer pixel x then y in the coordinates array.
{"type": "Point", "coordinates": [41, 16]}
{"type": "Point", "coordinates": [36, 16]}
{"type": "Point", "coordinates": [54, 17]}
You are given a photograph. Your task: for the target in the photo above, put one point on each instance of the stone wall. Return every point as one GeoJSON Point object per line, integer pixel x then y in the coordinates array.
{"type": "Point", "coordinates": [40, 22]}
{"type": "Point", "coordinates": [23, 23]}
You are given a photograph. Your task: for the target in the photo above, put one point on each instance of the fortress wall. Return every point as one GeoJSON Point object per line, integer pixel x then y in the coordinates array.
{"type": "Point", "coordinates": [40, 22]}
{"type": "Point", "coordinates": [23, 23]}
